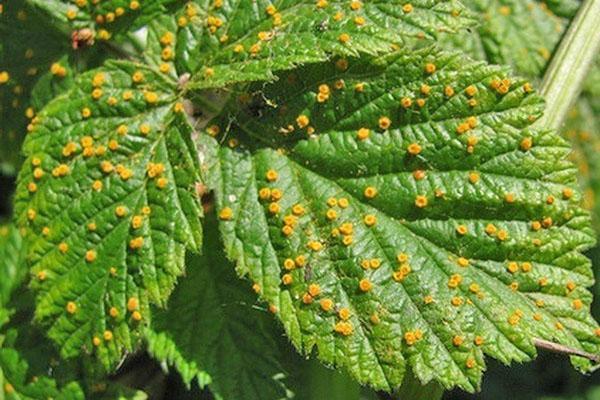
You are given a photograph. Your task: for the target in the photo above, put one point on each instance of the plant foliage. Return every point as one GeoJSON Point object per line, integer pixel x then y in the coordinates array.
{"type": "Point", "coordinates": [367, 169]}
{"type": "Point", "coordinates": [402, 233]}
{"type": "Point", "coordinates": [15, 381]}
{"type": "Point", "coordinates": [231, 343]}
{"type": "Point", "coordinates": [120, 142]}
{"type": "Point", "coordinates": [522, 34]}
{"type": "Point", "coordinates": [121, 146]}
{"type": "Point", "coordinates": [22, 60]}
{"type": "Point", "coordinates": [583, 130]}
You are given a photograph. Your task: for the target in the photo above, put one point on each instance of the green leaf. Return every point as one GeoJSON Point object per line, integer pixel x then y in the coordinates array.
{"type": "Point", "coordinates": [12, 262]}
{"type": "Point", "coordinates": [315, 381]}
{"type": "Point", "coordinates": [17, 383]}
{"type": "Point", "coordinates": [564, 8]}
{"type": "Point", "coordinates": [416, 246]}
{"type": "Point", "coordinates": [51, 84]}
{"type": "Point", "coordinates": [225, 42]}
{"type": "Point", "coordinates": [4, 318]}
{"type": "Point", "coordinates": [522, 34]}
{"type": "Point", "coordinates": [582, 128]}
{"type": "Point", "coordinates": [164, 349]}
{"type": "Point", "coordinates": [108, 198]}
{"type": "Point", "coordinates": [211, 332]}
{"type": "Point", "coordinates": [29, 48]}
{"type": "Point", "coordinates": [103, 18]}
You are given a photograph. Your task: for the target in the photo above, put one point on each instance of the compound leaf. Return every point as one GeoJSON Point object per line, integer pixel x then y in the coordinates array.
{"type": "Point", "coordinates": [108, 197]}
{"type": "Point", "coordinates": [211, 332]}
{"type": "Point", "coordinates": [402, 212]}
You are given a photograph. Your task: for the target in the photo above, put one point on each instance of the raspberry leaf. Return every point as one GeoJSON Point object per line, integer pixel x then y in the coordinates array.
{"type": "Point", "coordinates": [108, 198]}
{"type": "Point", "coordinates": [402, 213]}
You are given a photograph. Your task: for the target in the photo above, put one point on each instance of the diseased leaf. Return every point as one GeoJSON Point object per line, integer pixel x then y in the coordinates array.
{"type": "Point", "coordinates": [210, 331]}
{"type": "Point", "coordinates": [107, 194]}
{"type": "Point", "coordinates": [23, 347]}
{"type": "Point", "coordinates": [411, 219]}
{"type": "Point", "coordinates": [234, 41]}
{"type": "Point", "coordinates": [103, 18]}
{"type": "Point", "coordinates": [12, 262]}
{"type": "Point", "coordinates": [522, 34]}
{"type": "Point", "coordinates": [58, 80]}
{"type": "Point", "coordinates": [30, 342]}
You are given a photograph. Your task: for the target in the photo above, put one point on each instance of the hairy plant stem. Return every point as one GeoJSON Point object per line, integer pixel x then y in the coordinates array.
{"type": "Point", "coordinates": [570, 64]}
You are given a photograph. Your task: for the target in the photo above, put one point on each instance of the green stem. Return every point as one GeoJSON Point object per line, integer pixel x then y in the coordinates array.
{"type": "Point", "coordinates": [570, 64]}
{"type": "Point", "coordinates": [412, 389]}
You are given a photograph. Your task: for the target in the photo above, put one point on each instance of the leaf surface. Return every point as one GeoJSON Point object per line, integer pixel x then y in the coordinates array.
{"type": "Point", "coordinates": [108, 197]}
{"type": "Point", "coordinates": [29, 47]}
{"type": "Point", "coordinates": [17, 383]}
{"type": "Point", "coordinates": [582, 129]}
{"type": "Point", "coordinates": [12, 262]}
{"type": "Point", "coordinates": [413, 218]}
{"type": "Point", "coordinates": [227, 42]}
{"type": "Point", "coordinates": [210, 330]}
{"type": "Point", "coordinates": [103, 18]}
{"type": "Point", "coordinates": [522, 34]}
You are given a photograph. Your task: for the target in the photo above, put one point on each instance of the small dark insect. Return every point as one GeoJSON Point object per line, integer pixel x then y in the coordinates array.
{"type": "Point", "coordinates": [82, 38]}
